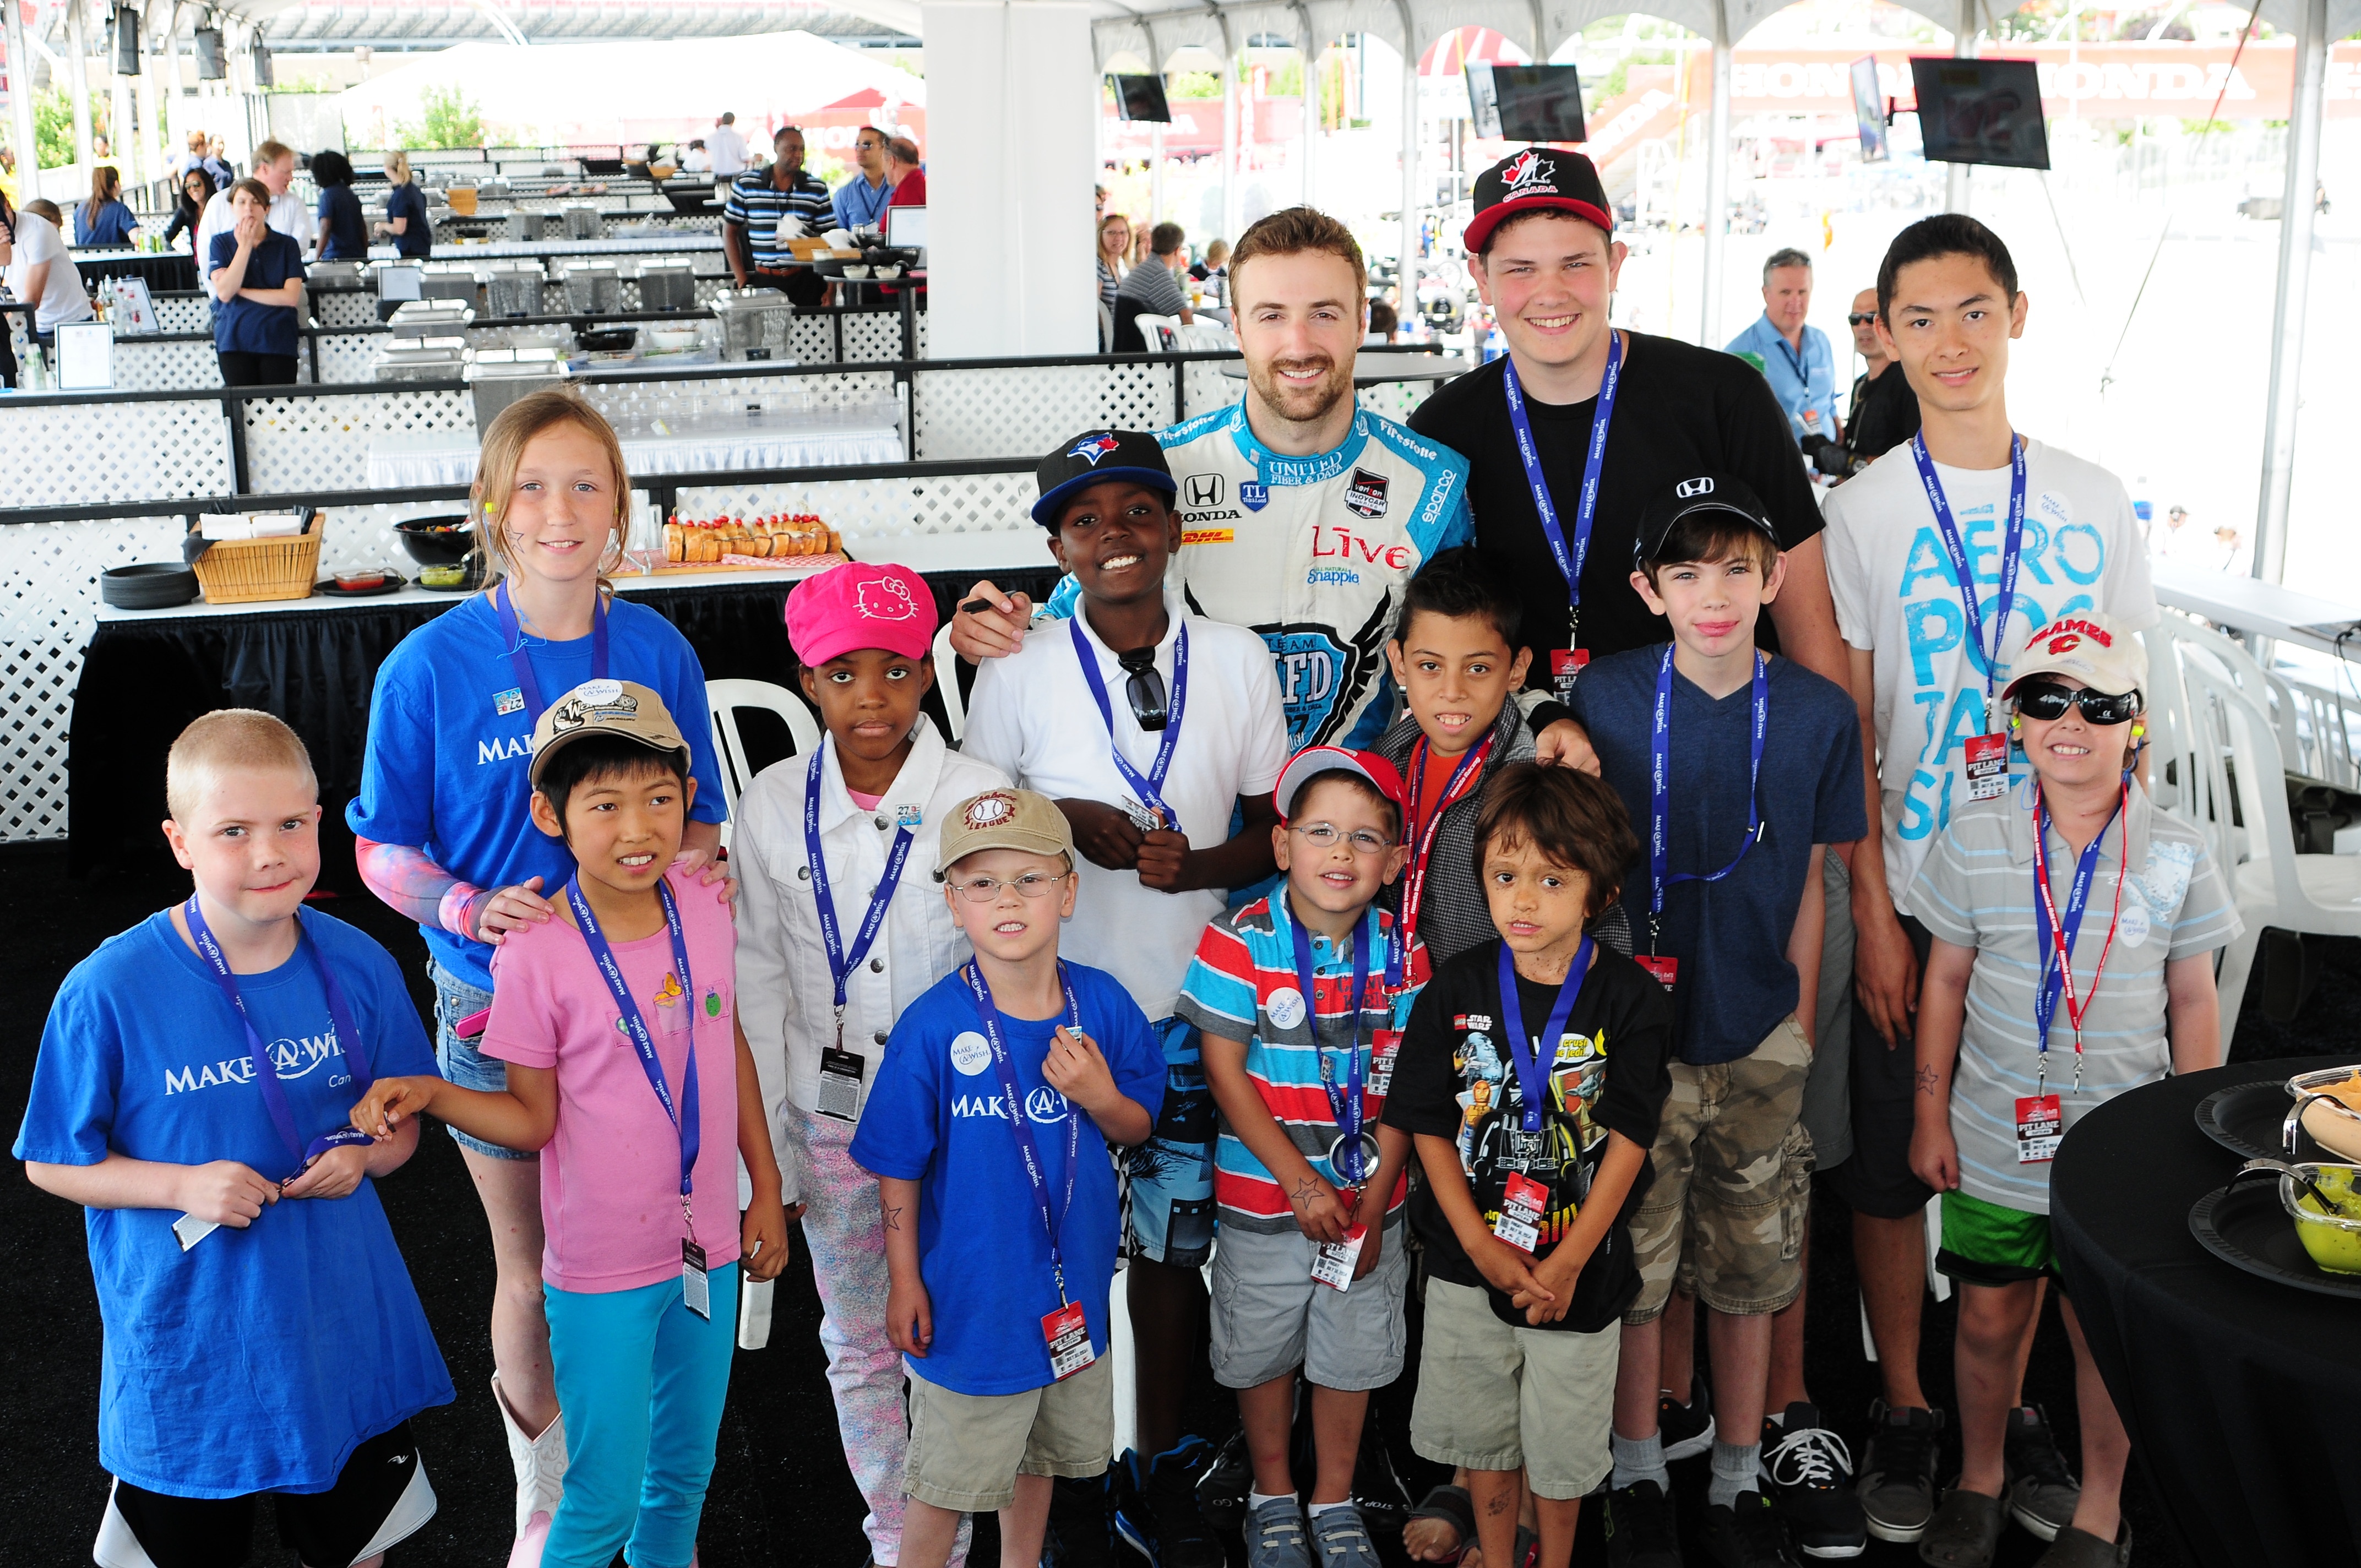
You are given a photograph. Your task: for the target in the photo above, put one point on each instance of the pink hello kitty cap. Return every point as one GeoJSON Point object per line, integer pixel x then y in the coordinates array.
{"type": "Point", "coordinates": [856, 606]}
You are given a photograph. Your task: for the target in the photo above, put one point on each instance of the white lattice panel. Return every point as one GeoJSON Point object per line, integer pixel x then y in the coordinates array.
{"type": "Point", "coordinates": [1019, 410]}
{"type": "Point", "coordinates": [919, 344]}
{"type": "Point", "coordinates": [812, 340]}
{"type": "Point", "coordinates": [346, 308]}
{"type": "Point", "coordinates": [872, 514]}
{"type": "Point", "coordinates": [186, 312]}
{"type": "Point", "coordinates": [1206, 388]}
{"type": "Point", "coordinates": [299, 443]}
{"type": "Point", "coordinates": [18, 340]}
{"type": "Point", "coordinates": [1395, 399]}
{"type": "Point", "coordinates": [166, 364]}
{"type": "Point", "coordinates": [49, 602]}
{"type": "Point", "coordinates": [347, 357]}
{"type": "Point", "coordinates": [872, 336]}
{"type": "Point", "coordinates": [80, 454]}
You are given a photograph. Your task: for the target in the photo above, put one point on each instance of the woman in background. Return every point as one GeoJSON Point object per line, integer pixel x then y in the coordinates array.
{"type": "Point", "coordinates": [344, 233]}
{"type": "Point", "coordinates": [104, 220]}
{"type": "Point", "coordinates": [197, 188]}
{"type": "Point", "coordinates": [405, 210]}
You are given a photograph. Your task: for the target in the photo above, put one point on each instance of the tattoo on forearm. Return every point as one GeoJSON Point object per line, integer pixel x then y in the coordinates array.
{"type": "Point", "coordinates": [1929, 1082]}
{"type": "Point", "coordinates": [894, 1217]}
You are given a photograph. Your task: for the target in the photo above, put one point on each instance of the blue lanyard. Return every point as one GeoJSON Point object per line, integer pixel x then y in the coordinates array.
{"type": "Point", "coordinates": [266, 1070]}
{"type": "Point", "coordinates": [685, 1119]}
{"type": "Point", "coordinates": [512, 634]}
{"type": "Point", "coordinates": [1345, 1103]}
{"type": "Point", "coordinates": [1659, 788]}
{"type": "Point", "coordinates": [1569, 560]}
{"type": "Point", "coordinates": [2057, 933]}
{"type": "Point", "coordinates": [1796, 361]}
{"type": "Point", "coordinates": [841, 964]}
{"type": "Point", "coordinates": [1150, 789]}
{"type": "Point", "coordinates": [1958, 552]}
{"type": "Point", "coordinates": [1020, 1120]}
{"type": "Point", "coordinates": [1532, 1083]}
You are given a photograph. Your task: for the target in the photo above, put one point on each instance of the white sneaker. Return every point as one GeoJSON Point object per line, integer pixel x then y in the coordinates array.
{"type": "Point", "coordinates": [540, 1467]}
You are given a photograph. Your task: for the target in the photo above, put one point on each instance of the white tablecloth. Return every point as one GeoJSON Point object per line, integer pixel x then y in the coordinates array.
{"type": "Point", "coordinates": [448, 457]}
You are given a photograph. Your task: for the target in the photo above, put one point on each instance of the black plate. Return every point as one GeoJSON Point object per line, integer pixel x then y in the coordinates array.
{"type": "Point", "coordinates": [2245, 1227]}
{"type": "Point", "coordinates": [394, 583]}
{"type": "Point", "coordinates": [468, 583]}
{"type": "Point", "coordinates": [2247, 1119]}
{"type": "Point", "coordinates": [152, 585]}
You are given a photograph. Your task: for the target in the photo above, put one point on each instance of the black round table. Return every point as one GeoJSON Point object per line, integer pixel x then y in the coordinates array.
{"type": "Point", "coordinates": [2243, 1395]}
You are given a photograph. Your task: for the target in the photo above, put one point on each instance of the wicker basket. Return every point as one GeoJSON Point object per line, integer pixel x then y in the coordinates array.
{"type": "Point", "coordinates": [243, 571]}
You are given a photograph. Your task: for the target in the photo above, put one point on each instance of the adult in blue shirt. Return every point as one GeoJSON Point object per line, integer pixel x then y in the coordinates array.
{"type": "Point", "coordinates": [405, 210]}
{"type": "Point", "coordinates": [256, 280]}
{"type": "Point", "coordinates": [861, 202]}
{"type": "Point", "coordinates": [104, 220]}
{"type": "Point", "coordinates": [344, 233]}
{"type": "Point", "coordinates": [1797, 359]}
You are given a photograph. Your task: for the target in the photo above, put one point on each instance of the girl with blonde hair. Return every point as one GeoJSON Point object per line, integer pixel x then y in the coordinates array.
{"type": "Point", "coordinates": [443, 826]}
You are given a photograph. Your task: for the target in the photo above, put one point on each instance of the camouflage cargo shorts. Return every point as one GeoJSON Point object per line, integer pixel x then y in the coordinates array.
{"type": "Point", "coordinates": [1726, 1215]}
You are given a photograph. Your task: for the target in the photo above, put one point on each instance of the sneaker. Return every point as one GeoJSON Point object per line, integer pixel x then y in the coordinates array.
{"type": "Point", "coordinates": [1222, 1489]}
{"type": "Point", "coordinates": [1746, 1534]}
{"type": "Point", "coordinates": [1687, 1430]}
{"type": "Point", "coordinates": [1156, 1514]}
{"type": "Point", "coordinates": [1275, 1536]}
{"type": "Point", "coordinates": [2042, 1492]}
{"type": "Point", "coordinates": [1341, 1538]}
{"type": "Point", "coordinates": [1640, 1532]}
{"type": "Point", "coordinates": [1897, 1473]}
{"type": "Point", "coordinates": [1080, 1535]}
{"type": "Point", "coordinates": [1807, 1472]}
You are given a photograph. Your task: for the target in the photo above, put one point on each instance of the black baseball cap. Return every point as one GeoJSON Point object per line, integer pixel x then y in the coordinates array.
{"type": "Point", "coordinates": [1698, 493]}
{"type": "Point", "coordinates": [1094, 457]}
{"type": "Point", "coordinates": [1538, 179]}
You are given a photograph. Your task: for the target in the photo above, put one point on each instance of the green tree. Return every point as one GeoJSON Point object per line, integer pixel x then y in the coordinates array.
{"type": "Point", "coordinates": [53, 125]}
{"type": "Point", "coordinates": [451, 121]}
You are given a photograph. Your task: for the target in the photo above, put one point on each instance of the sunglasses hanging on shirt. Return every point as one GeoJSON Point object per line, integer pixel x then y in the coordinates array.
{"type": "Point", "coordinates": [1143, 687]}
{"type": "Point", "coordinates": [2048, 700]}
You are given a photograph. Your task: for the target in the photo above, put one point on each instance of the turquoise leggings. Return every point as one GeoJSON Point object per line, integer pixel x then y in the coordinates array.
{"type": "Point", "coordinates": [640, 1379]}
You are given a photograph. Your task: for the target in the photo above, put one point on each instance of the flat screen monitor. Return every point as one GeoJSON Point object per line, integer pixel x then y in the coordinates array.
{"type": "Point", "coordinates": [1869, 110]}
{"type": "Point", "coordinates": [1139, 98]}
{"type": "Point", "coordinates": [906, 226]}
{"type": "Point", "coordinates": [1526, 102]}
{"type": "Point", "coordinates": [1980, 111]}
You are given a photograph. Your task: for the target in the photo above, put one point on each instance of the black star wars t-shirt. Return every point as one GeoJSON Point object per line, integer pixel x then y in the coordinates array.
{"type": "Point", "coordinates": [1680, 411]}
{"type": "Point", "coordinates": [1456, 1078]}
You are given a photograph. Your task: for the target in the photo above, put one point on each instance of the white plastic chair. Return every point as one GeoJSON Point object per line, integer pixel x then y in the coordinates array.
{"type": "Point", "coordinates": [947, 684]}
{"type": "Point", "coordinates": [722, 699]}
{"type": "Point", "coordinates": [2237, 756]}
{"type": "Point", "coordinates": [1162, 333]}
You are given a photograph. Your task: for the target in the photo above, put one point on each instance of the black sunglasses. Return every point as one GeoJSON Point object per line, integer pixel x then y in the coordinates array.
{"type": "Point", "coordinates": [1862, 318]}
{"type": "Point", "coordinates": [2048, 699]}
{"type": "Point", "coordinates": [1143, 687]}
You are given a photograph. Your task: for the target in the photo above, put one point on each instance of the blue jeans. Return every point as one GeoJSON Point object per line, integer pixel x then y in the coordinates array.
{"type": "Point", "coordinates": [642, 1380]}
{"type": "Point", "coordinates": [459, 1061]}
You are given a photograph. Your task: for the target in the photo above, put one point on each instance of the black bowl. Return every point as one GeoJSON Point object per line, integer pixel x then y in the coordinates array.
{"type": "Point", "coordinates": [153, 585]}
{"type": "Point", "coordinates": [607, 339]}
{"type": "Point", "coordinates": [437, 541]}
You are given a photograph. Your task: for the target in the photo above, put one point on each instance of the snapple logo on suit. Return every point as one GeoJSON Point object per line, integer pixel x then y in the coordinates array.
{"type": "Point", "coordinates": [294, 1059]}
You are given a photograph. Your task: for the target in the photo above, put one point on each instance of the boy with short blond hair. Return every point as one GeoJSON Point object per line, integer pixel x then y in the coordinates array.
{"type": "Point", "coordinates": [158, 1106]}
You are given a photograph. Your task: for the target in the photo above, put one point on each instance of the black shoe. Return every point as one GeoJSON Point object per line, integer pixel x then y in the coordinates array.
{"type": "Point", "coordinates": [1378, 1489]}
{"type": "Point", "coordinates": [1640, 1531]}
{"type": "Point", "coordinates": [2042, 1492]}
{"type": "Point", "coordinates": [1081, 1534]}
{"type": "Point", "coordinates": [1746, 1534]}
{"type": "Point", "coordinates": [1686, 1431]}
{"type": "Point", "coordinates": [1222, 1489]}
{"type": "Point", "coordinates": [1156, 1514]}
{"type": "Point", "coordinates": [1807, 1473]}
{"type": "Point", "coordinates": [1897, 1471]}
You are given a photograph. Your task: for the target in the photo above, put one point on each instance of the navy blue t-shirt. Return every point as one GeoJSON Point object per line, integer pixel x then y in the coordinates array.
{"type": "Point", "coordinates": [344, 233]}
{"type": "Point", "coordinates": [936, 1116]}
{"type": "Point", "coordinates": [1730, 935]}
{"type": "Point", "coordinates": [245, 326]}
{"type": "Point", "coordinates": [406, 201]}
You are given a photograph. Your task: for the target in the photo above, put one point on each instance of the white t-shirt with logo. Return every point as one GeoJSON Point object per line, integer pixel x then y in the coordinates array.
{"type": "Point", "coordinates": [62, 299]}
{"type": "Point", "coordinates": [1032, 715]}
{"type": "Point", "coordinates": [1897, 598]}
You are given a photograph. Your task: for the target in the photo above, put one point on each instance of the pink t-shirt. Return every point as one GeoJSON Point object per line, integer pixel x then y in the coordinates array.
{"type": "Point", "coordinates": [610, 1176]}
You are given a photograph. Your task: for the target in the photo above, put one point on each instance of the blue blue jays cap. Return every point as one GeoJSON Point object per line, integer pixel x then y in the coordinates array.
{"type": "Point", "coordinates": [1094, 458]}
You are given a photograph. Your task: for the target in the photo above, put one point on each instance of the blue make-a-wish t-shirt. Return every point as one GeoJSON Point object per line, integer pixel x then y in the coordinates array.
{"type": "Point", "coordinates": [260, 1358]}
{"type": "Point", "coordinates": [936, 1116]}
{"type": "Point", "coordinates": [1730, 935]}
{"type": "Point", "coordinates": [449, 748]}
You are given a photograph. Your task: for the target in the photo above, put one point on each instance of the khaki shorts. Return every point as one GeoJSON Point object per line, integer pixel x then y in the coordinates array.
{"type": "Point", "coordinates": [1731, 1198]}
{"type": "Point", "coordinates": [1495, 1397]}
{"type": "Point", "coordinates": [1270, 1316]}
{"type": "Point", "coordinates": [967, 1450]}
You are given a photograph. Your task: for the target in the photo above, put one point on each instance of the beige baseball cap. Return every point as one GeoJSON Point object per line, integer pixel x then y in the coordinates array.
{"type": "Point", "coordinates": [2091, 647]}
{"type": "Point", "coordinates": [1003, 819]}
{"type": "Point", "coordinates": [624, 709]}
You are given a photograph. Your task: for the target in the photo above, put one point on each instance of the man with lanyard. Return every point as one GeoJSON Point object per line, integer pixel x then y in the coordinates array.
{"type": "Point", "coordinates": [860, 201]}
{"type": "Point", "coordinates": [1885, 410]}
{"type": "Point", "coordinates": [767, 208]}
{"type": "Point", "coordinates": [1303, 515]}
{"type": "Point", "coordinates": [1797, 359]}
{"type": "Point", "coordinates": [1942, 555]}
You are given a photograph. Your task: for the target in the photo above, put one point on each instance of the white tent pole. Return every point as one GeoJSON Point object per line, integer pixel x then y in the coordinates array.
{"type": "Point", "coordinates": [1311, 101]}
{"type": "Point", "coordinates": [1229, 132]}
{"type": "Point", "coordinates": [1963, 47]}
{"type": "Point", "coordinates": [1156, 174]}
{"type": "Point", "coordinates": [1407, 308]}
{"type": "Point", "coordinates": [2295, 281]}
{"type": "Point", "coordinates": [1716, 179]}
{"type": "Point", "coordinates": [20, 103]}
{"type": "Point", "coordinates": [78, 83]}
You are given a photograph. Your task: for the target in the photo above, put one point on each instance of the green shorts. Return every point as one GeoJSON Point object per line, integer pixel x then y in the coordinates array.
{"type": "Point", "coordinates": [1989, 1243]}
